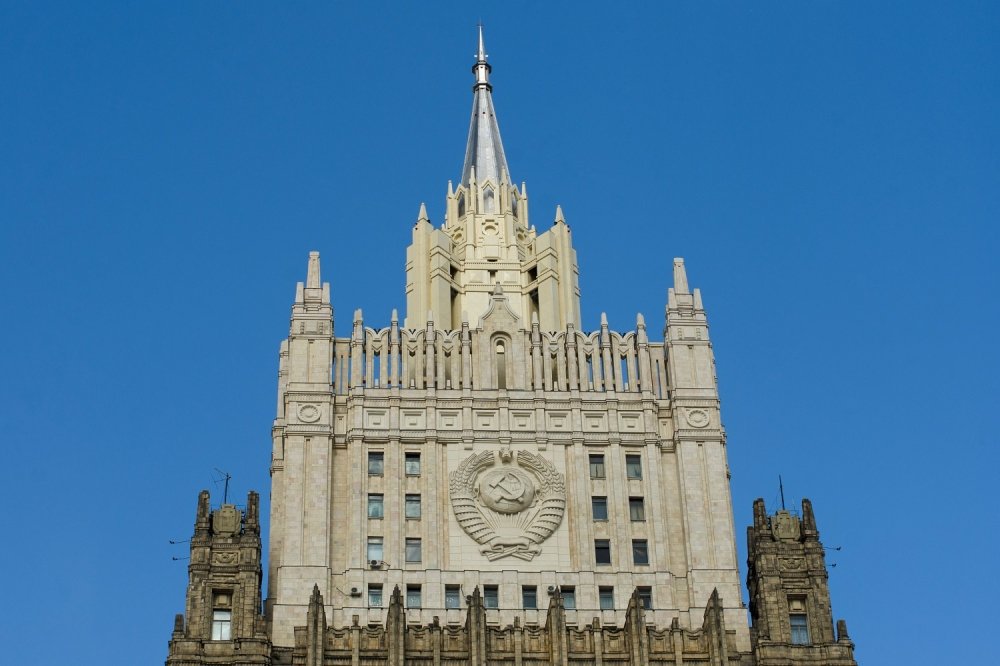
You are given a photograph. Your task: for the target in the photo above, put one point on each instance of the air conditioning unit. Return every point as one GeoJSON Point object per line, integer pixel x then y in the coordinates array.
{"type": "Point", "coordinates": [553, 589]}
{"type": "Point", "coordinates": [355, 592]}
{"type": "Point", "coordinates": [374, 564]}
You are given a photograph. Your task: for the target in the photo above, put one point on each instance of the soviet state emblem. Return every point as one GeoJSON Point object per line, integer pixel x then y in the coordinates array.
{"type": "Point", "coordinates": [508, 508]}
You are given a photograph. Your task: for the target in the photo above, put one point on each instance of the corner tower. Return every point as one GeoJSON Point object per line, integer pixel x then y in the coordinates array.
{"type": "Point", "coordinates": [487, 239]}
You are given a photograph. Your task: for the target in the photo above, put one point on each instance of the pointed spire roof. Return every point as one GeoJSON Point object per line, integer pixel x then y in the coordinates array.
{"type": "Point", "coordinates": [484, 149]}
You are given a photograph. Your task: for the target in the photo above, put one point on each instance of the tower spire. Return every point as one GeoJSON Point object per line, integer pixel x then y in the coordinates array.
{"type": "Point", "coordinates": [484, 149]}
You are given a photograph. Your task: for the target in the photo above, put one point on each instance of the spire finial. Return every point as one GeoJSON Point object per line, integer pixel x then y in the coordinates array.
{"type": "Point", "coordinates": [482, 49]}
{"type": "Point", "coordinates": [482, 68]}
{"type": "Point", "coordinates": [484, 150]}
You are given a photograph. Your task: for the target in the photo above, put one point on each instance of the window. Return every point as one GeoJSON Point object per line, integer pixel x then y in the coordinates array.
{"type": "Point", "coordinates": [452, 596]}
{"type": "Point", "coordinates": [799, 620]}
{"type": "Point", "coordinates": [636, 509]}
{"type": "Point", "coordinates": [412, 464]}
{"type": "Point", "coordinates": [602, 551]}
{"type": "Point", "coordinates": [413, 550]}
{"type": "Point", "coordinates": [606, 595]}
{"type": "Point", "coordinates": [529, 596]}
{"type": "Point", "coordinates": [222, 623]}
{"type": "Point", "coordinates": [501, 365]}
{"type": "Point", "coordinates": [375, 549]}
{"type": "Point", "coordinates": [569, 596]}
{"type": "Point", "coordinates": [599, 507]}
{"type": "Point", "coordinates": [645, 597]}
{"type": "Point", "coordinates": [597, 466]}
{"type": "Point", "coordinates": [633, 466]}
{"type": "Point", "coordinates": [640, 551]}
{"type": "Point", "coordinates": [375, 596]}
{"type": "Point", "coordinates": [376, 505]}
{"type": "Point", "coordinates": [376, 463]}
{"type": "Point", "coordinates": [413, 596]}
{"type": "Point", "coordinates": [413, 506]}
{"type": "Point", "coordinates": [490, 596]}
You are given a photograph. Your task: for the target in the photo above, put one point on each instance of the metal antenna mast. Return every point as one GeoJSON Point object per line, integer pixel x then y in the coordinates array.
{"type": "Point", "coordinates": [781, 489]}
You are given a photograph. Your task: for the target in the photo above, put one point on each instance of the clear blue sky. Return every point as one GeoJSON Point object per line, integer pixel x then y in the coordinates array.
{"type": "Point", "coordinates": [828, 169]}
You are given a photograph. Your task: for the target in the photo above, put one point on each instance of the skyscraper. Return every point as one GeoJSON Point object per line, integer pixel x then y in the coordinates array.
{"type": "Point", "coordinates": [487, 483]}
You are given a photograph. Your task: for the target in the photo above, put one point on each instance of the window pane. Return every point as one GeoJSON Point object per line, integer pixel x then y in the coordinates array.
{"type": "Point", "coordinates": [607, 597]}
{"type": "Point", "coordinates": [375, 548]}
{"type": "Point", "coordinates": [375, 463]}
{"type": "Point", "coordinates": [636, 509]}
{"type": "Point", "coordinates": [633, 466]}
{"type": "Point", "coordinates": [640, 551]}
{"type": "Point", "coordinates": [646, 597]}
{"type": "Point", "coordinates": [413, 596]}
{"type": "Point", "coordinates": [800, 629]}
{"type": "Point", "coordinates": [413, 506]}
{"type": "Point", "coordinates": [600, 507]}
{"type": "Point", "coordinates": [412, 464]}
{"type": "Point", "coordinates": [452, 597]}
{"type": "Point", "coordinates": [569, 597]}
{"type": "Point", "coordinates": [413, 550]}
{"type": "Point", "coordinates": [602, 551]}
{"type": "Point", "coordinates": [597, 466]}
{"type": "Point", "coordinates": [375, 595]}
{"type": "Point", "coordinates": [529, 596]}
{"type": "Point", "coordinates": [490, 596]}
{"type": "Point", "coordinates": [375, 506]}
{"type": "Point", "coordinates": [221, 625]}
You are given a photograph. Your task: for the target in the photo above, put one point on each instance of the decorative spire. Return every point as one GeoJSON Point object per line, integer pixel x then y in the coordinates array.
{"type": "Point", "coordinates": [484, 150]}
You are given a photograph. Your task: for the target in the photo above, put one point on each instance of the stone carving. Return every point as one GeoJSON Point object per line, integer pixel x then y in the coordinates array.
{"type": "Point", "coordinates": [226, 557]}
{"type": "Point", "coordinates": [697, 418]}
{"type": "Point", "coordinates": [508, 508]}
{"type": "Point", "coordinates": [309, 413]}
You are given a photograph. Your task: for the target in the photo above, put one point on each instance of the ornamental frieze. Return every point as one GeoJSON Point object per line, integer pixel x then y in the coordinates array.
{"type": "Point", "coordinates": [507, 503]}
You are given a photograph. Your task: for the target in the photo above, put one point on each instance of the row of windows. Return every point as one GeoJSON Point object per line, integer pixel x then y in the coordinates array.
{"type": "Point", "coordinates": [376, 506]}
{"type": "Point", "coordinates": [602, 551]}
{"type": "Point", "coordinates": [636, 508]}
{"type": "Point", "coordinates": [598, 469]}
{"type": "Point", "coordinates": [414, 550]}
{"type": "Point", "coordinates": [633, 466]}
{"type": "Point", "coordinates": [376, 463]}
{"type": "Point", "coordinates": [491, 596]}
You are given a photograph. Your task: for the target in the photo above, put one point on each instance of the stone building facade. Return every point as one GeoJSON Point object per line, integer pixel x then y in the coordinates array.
{"type": "Point", "coordinates": [489, 484]}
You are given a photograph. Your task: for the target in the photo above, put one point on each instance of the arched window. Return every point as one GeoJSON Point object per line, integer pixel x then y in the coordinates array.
{"type": "Point", "coordinates": [461, 204]}
{"type": "Point", "coordinates": [501, 363]}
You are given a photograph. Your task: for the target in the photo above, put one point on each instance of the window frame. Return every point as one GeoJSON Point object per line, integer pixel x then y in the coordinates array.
{"type": "Point", "coordinates": [414, 591]}
{"type": "Point", "coordinates": [411, 457]}
{"type": "Point", "coordinates": [599, 501]}
{"type": "Point", "coordinates": [644, 550]}
{"type": "Point", "coordinates": [636, 460]}
{"type": "Point", "coordinates": [568, 593]}
{"type": "Point", "coordinates": [606, 597]}
{"type": "Point", "coordinates": [378, 456]}
{"type": "Point", "coordinates": [375, 542]}
{"type": "Point", "coordinates": [645, 594]}
{"type": "Point", "coordinates": [412, 500]}
{"type": "Point", "coordinates": [222, 627]}
{"type": "Point", "coordinates": [598, 466]}
{"type": "Point", "coordinates": [529, 593]}
{"type": "Point", "coordinates": [409, 544]}
{"type": "Point", "coordinates": [375, 598]}
{"type": "Point", "coordinates": [452, 597]}
{"type": "Point", "coordinates": [602, 546]}
{"type": "Point", "coordinates": [637, 509]}
{"type": "Point", "coordinates": [491, 596]}
{"type": "Point", "coordinates": [376, 500]}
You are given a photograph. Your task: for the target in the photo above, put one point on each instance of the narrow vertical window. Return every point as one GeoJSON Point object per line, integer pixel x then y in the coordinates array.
{"type": "Point", "coordinates": [645, 597]}
{"type": "Point", "coordinates": [569, 596]}
{"type": "Point", "coordinates": [412, 464]}
{"type": "Point", "coordinates": [461, 203]}
{"type": "Point", "coordinates": [799, 620]}
{"type": "Point", "coordinates": [489, 200]}
{"type": "Point", "coordinates": [501, 365]}
{"type": "Point", "coordinates": [375, 596]}
{"type": "Point", "coordinates": [491, 596]}
{"type": "Point", "coordinates": [606, 595]}
{"type": "Point", "coordinates": [222, 624]}
{"type": "Point", "coordinates": [529, 597]}
{"type": "Point", "coordinates": [452, 596]}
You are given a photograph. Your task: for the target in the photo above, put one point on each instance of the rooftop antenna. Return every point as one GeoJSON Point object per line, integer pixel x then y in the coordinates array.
{"type": "Point", "coordinates": [781, 489]}
{"type": "Point", "coordinates": [225, 492]}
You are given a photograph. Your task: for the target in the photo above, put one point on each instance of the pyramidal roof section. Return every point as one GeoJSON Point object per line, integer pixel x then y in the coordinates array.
{"type": "Point", "coordinates": [484, 149]}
